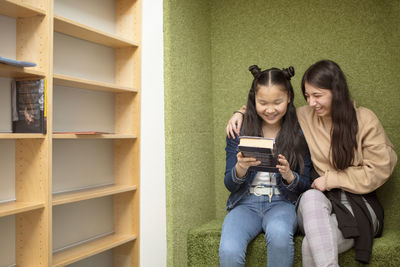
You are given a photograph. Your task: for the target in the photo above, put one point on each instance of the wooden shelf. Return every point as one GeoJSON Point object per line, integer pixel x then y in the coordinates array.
{"type": "Point", "coordinates": [15, 72]}
{"type": "Point", "coordinates": [88, 249]}
{"type": "Point", "coordinates": [17, 9]}
{"type": "Point", "coordinates": [69, 197]}
{"type": "Point", "coordinates": [93, 136]}
{"type": "Point", "coordinates": [33, 25]}
{"type": "Point", "coordinates": [16, 207]}
{"type": "Point", "coordinates": [75, 29]}
{"type": "Point", "coordinates": [21, 136]}
{"type": "Point", "coordinates": [69, 81]}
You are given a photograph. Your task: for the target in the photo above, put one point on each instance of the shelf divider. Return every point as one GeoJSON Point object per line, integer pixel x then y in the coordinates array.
{"type": "Point", "coordinates": [17, 8]}
{"type": "Point", "coordinates": [78, 30]}
{"type": "Point", "coordinates": [16, 72]}
{"type": "Point", "coordinates": [21, 136]}
{"type": "Point", "coordinates": [16, 207]}
{"type": "Point", "coordinates": [69, 81]}
{"type": "Point", "coordinates": [92, 136]}
{"type": "Point", "coordinates": [88, 249]}
{"type": "Point", "coordinates": [74, 196]}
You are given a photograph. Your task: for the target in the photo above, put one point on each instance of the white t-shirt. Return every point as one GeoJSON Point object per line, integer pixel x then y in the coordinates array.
{"type": "Point", "coordinates": [264, 178]}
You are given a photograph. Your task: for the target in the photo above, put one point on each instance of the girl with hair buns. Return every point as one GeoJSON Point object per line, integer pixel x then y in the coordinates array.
{"type": "Point", "coordinates": [352, 157]}
{"type": "Point", "coordinates": [265, 201]}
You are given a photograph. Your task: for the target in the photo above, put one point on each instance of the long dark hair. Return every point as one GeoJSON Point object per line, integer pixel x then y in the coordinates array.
{"type": "Point", "coordinates": [289, 141]}
{"type": "Point", "coordinates": [326, 74]}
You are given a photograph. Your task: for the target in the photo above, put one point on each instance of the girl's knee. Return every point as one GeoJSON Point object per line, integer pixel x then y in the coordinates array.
{"type": "Point", "coordinates": [279, 236]}
{"type": "Point", "coordinates": [312, 194]}
{"type": "Point", "coordinates": [313, 198]}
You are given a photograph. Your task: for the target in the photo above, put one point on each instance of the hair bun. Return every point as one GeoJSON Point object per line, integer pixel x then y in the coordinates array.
{"type": "Point", "coordinates": [289, 72]}
{"type": "Point", "coordinates": [255, 70]}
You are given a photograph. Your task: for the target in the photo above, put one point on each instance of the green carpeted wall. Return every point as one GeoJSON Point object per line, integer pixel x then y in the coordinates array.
{"type": "Point", "coordinates": [208, 48]}
{"type": "Point", "coordinates": [188, 122]}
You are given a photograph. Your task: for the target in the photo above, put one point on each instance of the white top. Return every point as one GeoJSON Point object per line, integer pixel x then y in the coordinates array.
{"type": "Point", "coordinates": [264, 178]}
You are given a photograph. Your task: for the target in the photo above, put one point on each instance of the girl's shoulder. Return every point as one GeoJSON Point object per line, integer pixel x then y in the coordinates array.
{"type": "Point", "coordinates": [304, 111]}
{"type": "Point", "coordinates": [304, 114]}
{"type": "Point", "coordinates": [366, 116]}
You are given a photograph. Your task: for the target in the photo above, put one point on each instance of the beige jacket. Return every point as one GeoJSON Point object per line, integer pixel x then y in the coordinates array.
{"type": "Point", "coordinates": [374, 160]}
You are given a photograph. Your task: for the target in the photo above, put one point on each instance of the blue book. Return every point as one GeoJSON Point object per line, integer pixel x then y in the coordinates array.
{"type": "Point", "coordinates": [16, 63]}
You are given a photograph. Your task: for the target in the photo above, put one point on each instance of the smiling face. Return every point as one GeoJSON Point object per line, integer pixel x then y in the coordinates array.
{"type": "Point", "coordinates": [319, 99]}
{"type": "Point", "coordinates": [271, 103]}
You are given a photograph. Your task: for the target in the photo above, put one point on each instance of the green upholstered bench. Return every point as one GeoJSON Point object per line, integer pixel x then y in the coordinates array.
{"type": "Point", "coordinates": [203, 243]}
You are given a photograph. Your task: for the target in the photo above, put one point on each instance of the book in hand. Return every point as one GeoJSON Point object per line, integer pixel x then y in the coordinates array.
{"type": "Point", "coordinates": [28, 106]}
{"type": "Point", "coordinates": [260, 148]}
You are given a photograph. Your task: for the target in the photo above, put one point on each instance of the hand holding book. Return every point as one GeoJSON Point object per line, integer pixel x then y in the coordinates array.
{"type": "Point", "coordinates": [244, 163]}
{"type": "Point", "coordinates": [284, 169]}
{"type": "Point", "coordinates": [261, 149]}
{"type": "Point", "coordinates": [257, 153]}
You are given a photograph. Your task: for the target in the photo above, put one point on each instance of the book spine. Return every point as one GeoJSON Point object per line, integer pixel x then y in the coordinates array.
{"type": "Point", "coordinates": [44, 109]}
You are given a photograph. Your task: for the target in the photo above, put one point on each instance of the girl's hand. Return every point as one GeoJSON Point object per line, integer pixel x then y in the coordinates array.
{"type": "Point", "coordinates": [319, 184]}
{"type": "Point", "coordinates": [243, 164]}
{"type": "Point", "coordinates": [235, 123]}
{"type": "Point", "coordinates": [284, 169]}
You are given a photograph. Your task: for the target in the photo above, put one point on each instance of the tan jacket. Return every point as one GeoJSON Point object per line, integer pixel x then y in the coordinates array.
{"type": "Point", "coordinates": [374, 160]}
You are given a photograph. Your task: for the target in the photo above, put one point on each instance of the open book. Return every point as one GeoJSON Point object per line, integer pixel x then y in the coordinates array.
{"type": "Point", "coordinates": [260, 148]}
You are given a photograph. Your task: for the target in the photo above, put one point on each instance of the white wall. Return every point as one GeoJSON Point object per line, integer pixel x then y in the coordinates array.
{"type": "Point", "coordinates": [153, 241]}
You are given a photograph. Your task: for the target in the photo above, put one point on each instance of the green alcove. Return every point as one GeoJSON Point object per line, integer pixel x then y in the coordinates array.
{"type": "Point", "coordinates": [208, 47]}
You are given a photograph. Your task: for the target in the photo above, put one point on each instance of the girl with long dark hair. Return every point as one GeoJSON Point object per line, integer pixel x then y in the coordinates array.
{"type": "Point", "coordinates": [352, 157]}
{"type": "Point", "coordinates": [262, 200]}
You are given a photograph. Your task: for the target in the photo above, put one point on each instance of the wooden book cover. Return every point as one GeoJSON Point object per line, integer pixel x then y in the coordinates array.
{"type": "Point", "coordinates": [260, 148]}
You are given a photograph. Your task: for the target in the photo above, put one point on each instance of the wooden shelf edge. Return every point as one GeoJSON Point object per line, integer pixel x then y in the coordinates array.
{"type": "Point", "coordinates": [70, 197]}
{"type": "Point", "coordinates": [69, 81]}
{"type": "Point", "coordinates": [93, 136]}
{"type": "Point", "coordinates": [16, 72]}
{"type": "Point", "coordinates": [17, 8]}
{"type": "Point", "coordinates": [21, 136]}
{"type": "Point", "coordinates": [78, 30]}
{"type": "Point", "coordinates": [91, 248]}
{"type": "Point", "coordinates": [16, 207]}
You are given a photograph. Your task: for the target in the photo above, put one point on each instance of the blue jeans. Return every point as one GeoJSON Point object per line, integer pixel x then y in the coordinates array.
{"type": "Point", "coordinates": [252, 215]}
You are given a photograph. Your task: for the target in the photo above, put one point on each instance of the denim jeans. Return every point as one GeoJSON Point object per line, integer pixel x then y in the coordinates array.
{"type": "Point", "coordinates": [252, 215]}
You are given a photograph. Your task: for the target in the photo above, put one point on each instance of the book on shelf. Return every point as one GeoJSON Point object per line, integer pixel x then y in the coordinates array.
{"type": "Point", "coordinates": [260, 148]}
{"type": "Point", "coordinates": [16, 63]}
{"type": "Point", "coordinates": [28, 103]}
